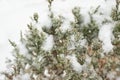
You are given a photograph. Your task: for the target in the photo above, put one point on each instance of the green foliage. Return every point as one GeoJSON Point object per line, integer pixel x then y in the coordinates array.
{"type": "Point", "coordinates": [77, 16]}
{"type": "Point", "coordinates": [90, 31]}
{"type": "Point", "coordinates": [34, 40]}
{"type": "Point", "coordinates": [116, 30]}
{"type": "Point", "coordinates": [116, 41]}
{"type": "Point", "coordinates": [36, 17]}
{"type": "Point", "coordinates": [115, 12]}
{"type": "Point", "coordinates": [95, 63]}
{"type": "Point", "coordinates": [56, 24]}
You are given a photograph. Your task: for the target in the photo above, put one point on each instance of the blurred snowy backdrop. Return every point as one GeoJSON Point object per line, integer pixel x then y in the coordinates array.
{"type": "Point", "coordinates": [15, 15]}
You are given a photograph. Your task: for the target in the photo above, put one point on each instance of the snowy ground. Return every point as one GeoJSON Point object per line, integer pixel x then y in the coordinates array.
{"type": "Point", "coordinates": [15, 14]}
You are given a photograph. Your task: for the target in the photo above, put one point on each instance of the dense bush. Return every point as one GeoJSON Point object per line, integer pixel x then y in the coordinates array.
{"type": "Point", "coordinates": [68, 59]}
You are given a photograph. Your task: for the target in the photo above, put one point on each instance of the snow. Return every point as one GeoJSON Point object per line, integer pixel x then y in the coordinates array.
{"type": "Point", "coordinates": [118, 78]}
{"type": "Point", "coordinates": [15, 14]}
{"type": "Point", "coordinates": [22, 77]}
{"type": "Point", "coordinates": [88, 59]}
{"type": "Point", "coordinates": [75, 64]}
{"type": "Point", "coordinates": [111, 75]}
{"type": "Point", "coordinates": [48, 45]}
{"type": "Point", "coordinates": [46, 73]}
{"type": "Point", "coordinates": [105, 35]}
